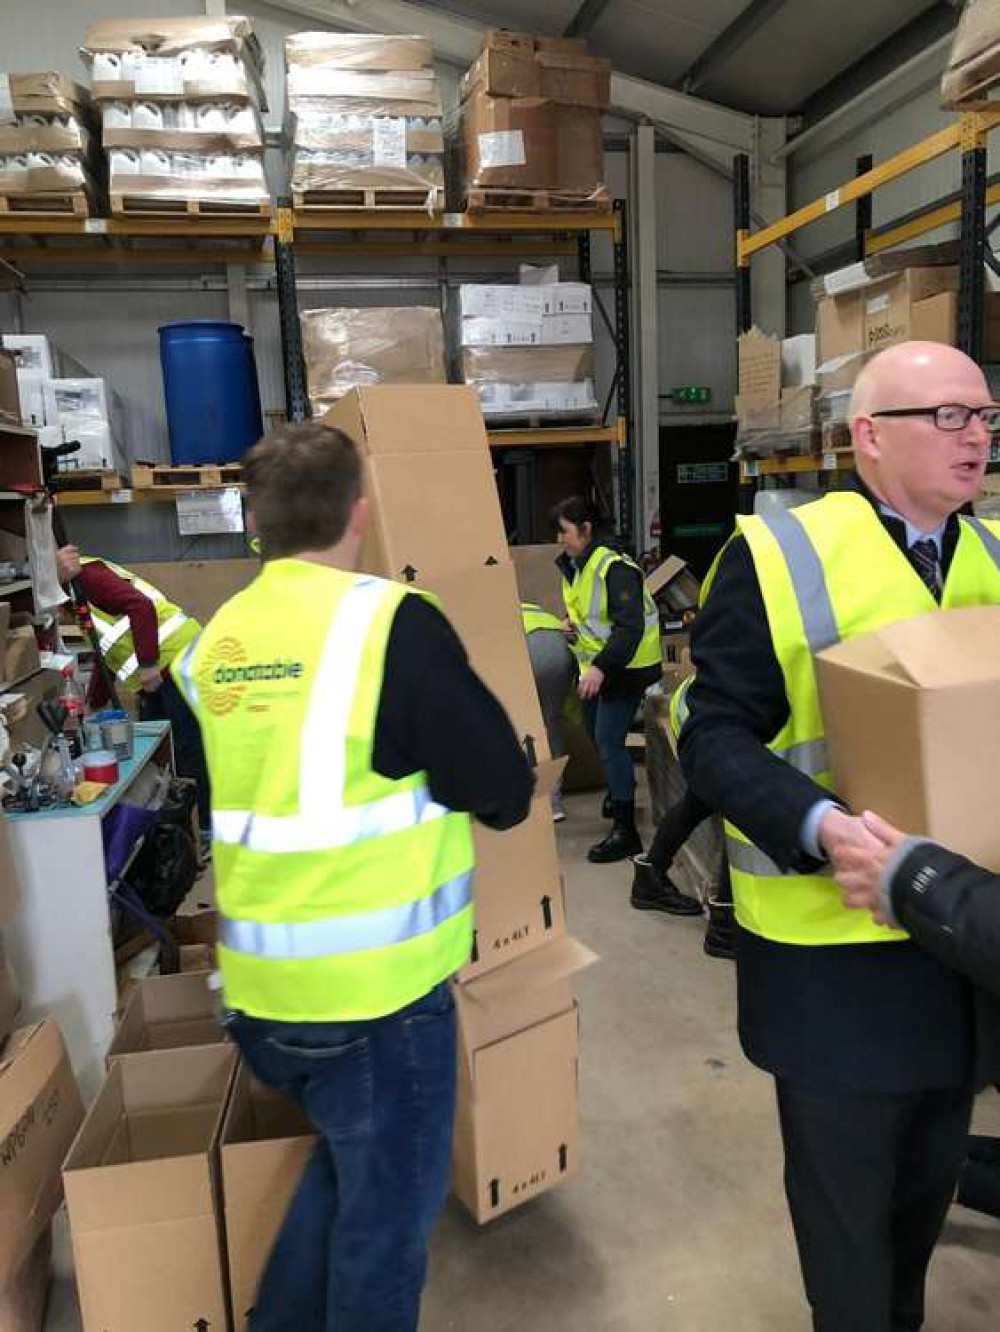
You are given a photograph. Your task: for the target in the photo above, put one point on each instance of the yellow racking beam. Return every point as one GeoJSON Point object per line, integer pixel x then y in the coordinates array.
{"type": "Point", "coordinates": [877, 241]}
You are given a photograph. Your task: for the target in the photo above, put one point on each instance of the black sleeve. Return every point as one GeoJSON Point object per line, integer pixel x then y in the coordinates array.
{"type": "Point", "coordinates": [626, 615]}
{"type": "Point", "coordinates": [951, 907]}
{"type": "Point", "coordinates": [436, 715]}
{"type": "Point", "coordinates": [737, 704]}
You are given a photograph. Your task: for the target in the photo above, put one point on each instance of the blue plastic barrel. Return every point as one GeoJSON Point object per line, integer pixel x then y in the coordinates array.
{"type": "Point", "coordinates": [211, 390]}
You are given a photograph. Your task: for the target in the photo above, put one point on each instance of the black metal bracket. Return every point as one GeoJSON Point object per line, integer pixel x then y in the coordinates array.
{"type": "Point", "coordinates": [863, 207]}
{"type": "Point", "coordinates": [972, 252]}
{"type": "Point", "coordinates": [296, 399]}
{"type": "Point", "coordinates": [626, 461]}
{"type": "Point", "coordinates": [741, 209]}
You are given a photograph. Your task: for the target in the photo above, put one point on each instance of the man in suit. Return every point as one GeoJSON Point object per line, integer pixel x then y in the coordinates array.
{"type": "Point", "coordinates": [870, 1040]}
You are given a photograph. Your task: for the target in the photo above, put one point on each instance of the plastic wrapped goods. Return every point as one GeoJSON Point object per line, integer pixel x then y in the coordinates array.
{"type": "Point", "coordinates": [345, 348]}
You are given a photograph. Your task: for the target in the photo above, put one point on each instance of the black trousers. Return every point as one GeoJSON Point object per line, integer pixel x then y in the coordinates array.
{"type": "Point", "coordinates": [869, 1178]}
{"type": "Point", "coordinates": [979, 1185]}
{"type": "Point", "coordinates": [676, 826]}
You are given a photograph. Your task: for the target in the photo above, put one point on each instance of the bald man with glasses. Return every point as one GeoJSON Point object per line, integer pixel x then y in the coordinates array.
{"type": "Point", "coordinates": [871, 1041]}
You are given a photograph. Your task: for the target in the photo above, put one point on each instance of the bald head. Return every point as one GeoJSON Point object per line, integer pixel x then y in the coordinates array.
{"type": "Point", "coordinates": [923, 471]}
{"type": "Point", "coordinates": [909, 375]}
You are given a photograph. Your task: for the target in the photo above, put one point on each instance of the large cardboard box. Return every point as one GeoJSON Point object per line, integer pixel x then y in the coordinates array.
{"type": "Point", "coordinates": [40, 1112]}
{"type": "Point", "coordinates": [883, 311]}
{"type": "Point", "coordinates": [10, 883]}
{"type": "Point", "coordinates": [509, 142]}
{"type": "Point", "coordinates": [141, 1191]}
{"type": "Point", "coordinates": [199, 586]}
{"type": "Point", "coordinates": [759, 358]}
{"type": "Point", "coordinates": [10, 1002]}
{"type": "Point", "coordinates": [516, 1129]}
{"type": "Point", "coordinates": [349, 348]}
{"type": "Point", "coordinates": [165, 1013]}
{"type": "Point", "coordinates": [265, 1144]}
{"type": "Point", "coordinates": [912, 717]}
{"type": "Point", "coordinates": [429, 475]}
{"type": "Point", "coordinates": [538, 578]}
{"type": "Point", "coordinates": [23, 1300]}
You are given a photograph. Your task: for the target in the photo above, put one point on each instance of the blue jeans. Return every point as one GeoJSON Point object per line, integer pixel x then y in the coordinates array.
{"type": "Point", "coordinates": [608, 720]}
{"type": "Point", "coordinates": [351, 1255]}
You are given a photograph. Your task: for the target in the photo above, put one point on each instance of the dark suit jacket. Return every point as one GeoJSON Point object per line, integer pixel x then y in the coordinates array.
{"type": "Point", "coordinates": [863, 1017]}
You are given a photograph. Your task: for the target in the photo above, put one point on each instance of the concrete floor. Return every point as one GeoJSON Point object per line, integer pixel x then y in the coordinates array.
{"type": "Point", "coordinates": [678, 1220]}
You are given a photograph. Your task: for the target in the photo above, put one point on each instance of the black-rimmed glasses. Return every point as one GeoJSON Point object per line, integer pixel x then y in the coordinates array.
{"type": "Point", "coordinates": [950, 415]}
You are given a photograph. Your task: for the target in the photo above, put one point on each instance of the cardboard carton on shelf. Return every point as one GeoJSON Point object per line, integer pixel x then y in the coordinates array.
{"type": "Point", "coordinates": [372, 52]}
{"type": "Point", "coordinates": [759, 358]}
{"type": "Point", "coordinates": [264, 1146]}
{"type": "Point", "coordinates": [141, 1191]}
{"type": "Point", "coordinates": [40, 1113]}
{"type": "Point", "coordinates": [348, 348]}
{"type": "Point", "coordinates": [10, 1001]}
{"type": "Point", "coordinates": [516, 1124]}
{"type": "Point", "coordinates": [913, 723]}
{"type": "Point", "coordinates": [166, 1012]}
{"type": "Point", "coordinates": [428, 471]}
{"type": "Point", "coordinates": [884, 310]}
{"type": "Point", "coordinates": [674, 586]}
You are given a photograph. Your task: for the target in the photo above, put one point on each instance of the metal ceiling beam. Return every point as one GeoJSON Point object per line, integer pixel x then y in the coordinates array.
{"type": "Point", "coordinates": [729, 41]}
{"type": "Point", "coordinates": [585, 19]}
{"type": "Point", "coordinates": [912, 40]}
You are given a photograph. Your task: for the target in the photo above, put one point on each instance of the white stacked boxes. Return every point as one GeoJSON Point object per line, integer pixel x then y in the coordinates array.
{"type": "Point", "coordinates": [48, 140]}
{"type": "Point", "coordinates": [181, 103]}
{"type": "Point", "coordinates": [365, 115]}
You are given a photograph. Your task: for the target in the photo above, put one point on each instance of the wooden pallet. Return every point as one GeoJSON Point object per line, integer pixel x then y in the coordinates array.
{"type": "Point", "coordinates": [87, 478]}
{"type": "Point", "coordinates": [198, 476]}
{"type": "Point", "coordinates": [369, 201]}
{"type": "Point", "coordinates": [534, 201]}
{"type": "Point", "coordinates": [148, 205]}
{"type": "Point", "coordinates": [44, 205]}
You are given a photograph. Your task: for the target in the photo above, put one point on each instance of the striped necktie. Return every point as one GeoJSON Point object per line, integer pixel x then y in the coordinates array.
{"type": "Point", "coordinates": [927, 562]}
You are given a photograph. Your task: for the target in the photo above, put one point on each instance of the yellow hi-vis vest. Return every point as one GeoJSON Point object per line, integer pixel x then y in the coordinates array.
{"type": "Point", "coordinates": [175, 629]}
{"type": "Point", "coordinates": [533, 618]}
{"type": "Point", "coordinates": [829, 571]}
{"type": "Point", "coordinates": [586, 601]}
{"type": "Point", "coordinates": [342, 894]}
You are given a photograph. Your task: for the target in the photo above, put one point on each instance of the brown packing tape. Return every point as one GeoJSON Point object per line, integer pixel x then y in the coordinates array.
{"type": "Point", "coordinates": [528, 365]}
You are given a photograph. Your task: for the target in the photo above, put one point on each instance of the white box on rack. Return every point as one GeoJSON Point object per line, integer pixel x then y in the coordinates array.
{"type": "Point", "coordinates": [32, 352]}
{"type": "Point", "coordinates": [31, 393]}
{"type": "Point", "coordinates": [483, 332]}
{"type": "Point", "coordinates": [96, 444]}
{"type": "Point", "coordinates": [567, 330]}
{"type": "Point", "coordinates": [498, 301]}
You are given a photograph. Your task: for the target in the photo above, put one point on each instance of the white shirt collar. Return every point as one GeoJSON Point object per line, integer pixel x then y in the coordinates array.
{"type": "Point", "coordinates": [913, 534]}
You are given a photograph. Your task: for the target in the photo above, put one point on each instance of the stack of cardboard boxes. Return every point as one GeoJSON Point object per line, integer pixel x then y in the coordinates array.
{"type": "Point", "coordinates": [528, 349]}
{"type": "Point", "coordinates": [181, 102]}
{"type": "Point", "coordinates": [49, 141]}
{"type": "Point", "coordinates": [365, 117]}
{"type": "Point", "coordinates": [62, 401]}
{"type": "Point", "coordinates": [973, 69]}
{"type": "Point", "coordinates": [40, 1111]}
{"type": "Point", "coordinates": [348, 348]}
{"type": "Point", "coordinates": [530, 121]}
{"type": "Point", "coordinates": [776, 403]}
{"type": "Point", "coordinates": [436, 523]}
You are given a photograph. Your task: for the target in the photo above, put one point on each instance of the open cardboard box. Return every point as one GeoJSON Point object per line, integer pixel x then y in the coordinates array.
{"type": "Point", "coordinates": [518, 886]}
{"type": "Point", "coordinates": [40, 1112]}
{"type": "Point", "coordinates": [266, 1142]}
{"type": "Point", "coordinates": [141, 1186]}
{"type": "Point", "coordinates": [10, 1002]}
{"type": "Point", "coordinates": [516, 1130]}
{"type": "Point", "coordinates": [23, 1300]}
{"type": "Point", "coordinates": [913, 723]}
{"type": "Point", "coordinates": [673, 585]}
{"type": "Point", "coordinates": [429, 476]}
{"type": "Point", "coordinates": [167, 1012]}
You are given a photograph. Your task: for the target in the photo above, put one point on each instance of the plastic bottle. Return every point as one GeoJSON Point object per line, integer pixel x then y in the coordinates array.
{"type": "Point", "coordinates": [73, 699]}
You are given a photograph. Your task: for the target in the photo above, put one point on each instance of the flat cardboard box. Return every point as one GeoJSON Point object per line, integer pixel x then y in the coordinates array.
{"type": "Point", "coordinates": [516, 1130]}
{"type": "Point", "coordinates": [913, 723]}
{"type": "Point", "coordinates": [265, 1144]}
{"type": "Point", "coordinates": [165, 1013]}
{"type": "Point", "coordinates": [503, 73]}
{"type": "Point", "coordinates": [759, 357]}
{"type": "Point", "coordinates": [575, 80]}
{"type": "Point", "coordinates": [23, 1299]}
{"type": "Point", "coordinates": [518, 884]}
{"type": "Point", "coordinates": [141, 1191]}
{"type": "Point", "coordinates": [199, 586]}
{"type": "Point", "coordinates": [40, 1112]}
{"type": "Point", "coordinates": [429, 475]}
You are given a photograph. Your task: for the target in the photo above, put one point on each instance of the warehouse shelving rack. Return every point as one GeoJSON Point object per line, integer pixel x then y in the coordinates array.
{"type": "Point", "coordinates": [968, 134]}
{"type": "Point", "coordinates": [336, 234]}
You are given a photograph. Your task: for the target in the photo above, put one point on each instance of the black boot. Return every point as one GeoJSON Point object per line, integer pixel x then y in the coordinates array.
{"type": "Point", "coordinates": [720, 937]}
{"type": "Point", "coordinates": [622, 841]}
{"type": "Point", "coordinates": [608, 808]}
{"type": "Point", "coordinates": [652, 891]}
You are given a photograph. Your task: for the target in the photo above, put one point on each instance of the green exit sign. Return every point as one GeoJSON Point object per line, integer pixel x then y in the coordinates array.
{"type": "Point", "coordinates": [691, 393]}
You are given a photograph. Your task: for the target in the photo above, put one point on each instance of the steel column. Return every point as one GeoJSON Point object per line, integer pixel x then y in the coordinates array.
{"type": "Point", "coordinates": [741, 205]}
{"type": "Point", "coordinates": [624, 471]}
{"type": "Point", "coordinates": [296, 398]}
{"type": "Point", "coordinates": [863, 207]}
{"type": "Point", "coordinates": [646, 343]}
{"type": "Point", "coordinates": [972, 239]}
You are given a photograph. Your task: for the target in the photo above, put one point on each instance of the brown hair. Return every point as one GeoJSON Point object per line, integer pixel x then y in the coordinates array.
{"type": "Point", "coordinates": [302, 482]}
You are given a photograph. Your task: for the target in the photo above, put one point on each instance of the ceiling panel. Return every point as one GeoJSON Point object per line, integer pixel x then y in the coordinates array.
{"type": "Point", "coordinates": [659, 41]}
{"type": "Point", "coordinates": [547, 18]}
{"type": "Point", "coordinates": [764, 76]}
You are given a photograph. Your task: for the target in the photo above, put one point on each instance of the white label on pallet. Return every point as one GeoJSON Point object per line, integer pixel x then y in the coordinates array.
{"type": "Point", "coordinates": [751, 468]}
{"type": "Point", "coordinates": [95, 226]}
{"type": "Point", "coordinates": [7, 116]}
{"type": "Point", "coordinates": [121, 497]}
{"type": "Point", "coordinates": [832, 201]}
{"type": "Point", "coordinates": [203, 512]}
{"type": "Point", "coordinates": [389, 141]}
{"type": "Point", "coordinates": [159, 76]}
{"type": "Point", "coordinates": [829, 462]}
{"type": "Point", "coordinates": [501, 148]}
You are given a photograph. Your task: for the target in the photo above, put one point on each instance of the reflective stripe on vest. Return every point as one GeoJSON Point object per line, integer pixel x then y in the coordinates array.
{"type": "Point", "coordinates": [342, 894]}
{"type": "Point", "coordinates": [827, 571]}
{"type": "Point", "coordinates": [115, 633]}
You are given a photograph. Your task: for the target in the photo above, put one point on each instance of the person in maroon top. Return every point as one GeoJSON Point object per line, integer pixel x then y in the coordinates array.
{"type": "Point", "coordinates": [115, 597]}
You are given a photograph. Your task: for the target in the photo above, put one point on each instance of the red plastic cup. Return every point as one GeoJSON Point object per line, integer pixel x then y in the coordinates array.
{"type": "Point", "coordinates": [100, 765]}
